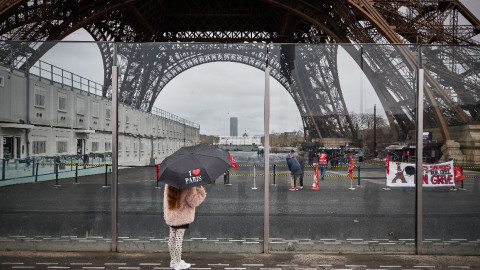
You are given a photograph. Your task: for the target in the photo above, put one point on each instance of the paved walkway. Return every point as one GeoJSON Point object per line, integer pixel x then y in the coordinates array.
{"type": "Point", "coordinates": [210, 261]}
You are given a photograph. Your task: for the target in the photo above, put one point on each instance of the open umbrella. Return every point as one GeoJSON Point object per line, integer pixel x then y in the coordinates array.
{"type": "Point", "coordinates": [194, 166]}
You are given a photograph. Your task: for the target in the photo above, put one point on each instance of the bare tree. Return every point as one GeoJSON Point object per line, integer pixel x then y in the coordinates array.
{"type": "Point", "coordinates": [365, 124]}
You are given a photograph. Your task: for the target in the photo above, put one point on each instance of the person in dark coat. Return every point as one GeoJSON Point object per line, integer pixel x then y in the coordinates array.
{"type": "Point", "coordinates": [295, 171]}
{"type": "Point", "coordinates": [301, 160]}
{"type": "Point", "coordinates": [331, 158]}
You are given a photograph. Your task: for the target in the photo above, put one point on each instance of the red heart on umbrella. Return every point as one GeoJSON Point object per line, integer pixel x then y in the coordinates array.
{"type": "Point", "coordinates": [196, 172]}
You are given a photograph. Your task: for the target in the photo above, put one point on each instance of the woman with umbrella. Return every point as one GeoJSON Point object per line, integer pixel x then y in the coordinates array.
{"type": "Point", "coordinates": [184, 172]}
{"type": "Point", "coordinates": [179, 211]}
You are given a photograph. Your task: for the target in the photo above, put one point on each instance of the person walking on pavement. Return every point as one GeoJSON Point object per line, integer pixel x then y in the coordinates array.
{"type": "Point", "coordinates": [295, 172]}
{"type": "Point", "coordinates": [322, 160]}
{"type": "Point", "coordinates": [179, 211]}
{"type": "Point", "coordinates": [301, 160]}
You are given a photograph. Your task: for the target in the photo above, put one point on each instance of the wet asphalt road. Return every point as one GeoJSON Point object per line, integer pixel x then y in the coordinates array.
{"type": "Point", "coordinates": [236, 211]}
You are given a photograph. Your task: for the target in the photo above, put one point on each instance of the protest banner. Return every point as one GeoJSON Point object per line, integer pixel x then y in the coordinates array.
{"type": "Point", "coordinates": [434, 175]}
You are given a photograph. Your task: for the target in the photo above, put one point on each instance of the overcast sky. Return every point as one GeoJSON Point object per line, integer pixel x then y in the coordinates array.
{"type": "Point", "coordinates": [210, 94]}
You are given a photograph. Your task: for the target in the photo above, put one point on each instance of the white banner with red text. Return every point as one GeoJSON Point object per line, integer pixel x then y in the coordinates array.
{"type": "Point", "coordinates": [434, 175]}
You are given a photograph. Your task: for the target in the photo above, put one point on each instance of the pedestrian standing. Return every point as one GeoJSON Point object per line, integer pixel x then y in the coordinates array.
{"type": "Point", "coordinates": [322, 160]}
{"type": "Point", "coordinates": [179, 211]}
{"type": "Point", "coordinates": [332, 160]}
{"type": "Point", "coordinates": [27, 162]}
{"type": "Point", "coordinates": [295, 172]}
{"type": "Point", "coordinates": [301, 160]}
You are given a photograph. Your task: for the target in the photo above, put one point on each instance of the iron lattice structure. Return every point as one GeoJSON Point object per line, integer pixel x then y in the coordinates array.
{"type": "Point", "coordinates": [310, 75]}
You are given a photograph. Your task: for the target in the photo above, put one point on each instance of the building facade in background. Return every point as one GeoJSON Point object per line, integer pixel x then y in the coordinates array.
{"type": "Point", "coordinates": [233, 126]}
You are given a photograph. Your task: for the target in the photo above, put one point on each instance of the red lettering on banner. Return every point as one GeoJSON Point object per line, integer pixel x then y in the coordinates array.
{"type": "Point", "coordinates": [441, 179]}
{"type": "Point", "coordinates": [425, 179]}
{"type": "Point", "coordinates": [425, 168]}
{"type": "Point", "coordinates": [449, 179]}
{"type": "Point", "coordinates": [439, 167]}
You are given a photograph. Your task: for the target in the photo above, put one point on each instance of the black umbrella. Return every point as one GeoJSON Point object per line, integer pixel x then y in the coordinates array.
{"type": "Point", "coordinates": [194, 166]}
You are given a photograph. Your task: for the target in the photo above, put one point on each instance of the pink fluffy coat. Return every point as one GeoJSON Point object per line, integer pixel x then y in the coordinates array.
{"type": "Point", "coordinates": [185, 214]}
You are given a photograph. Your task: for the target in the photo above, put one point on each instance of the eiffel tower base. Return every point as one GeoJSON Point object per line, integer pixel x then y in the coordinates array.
{"type": "Point", "coordinates": [451, 150]}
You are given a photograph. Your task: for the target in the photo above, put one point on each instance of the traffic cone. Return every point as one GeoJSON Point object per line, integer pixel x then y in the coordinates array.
{"type": "Point", "coordinates": [315, 178]}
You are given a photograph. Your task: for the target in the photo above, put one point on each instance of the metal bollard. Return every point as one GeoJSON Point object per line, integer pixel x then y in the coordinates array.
{"type": "Point", "coordinates": [36, 173]}
{"type": "Point", "coordinates": [34, 164]}
{"type": "Point", "coordinates": [106, 173]}
{"type": "Point", "coordinates": [226, 179]}
{"type": "Point", "coordinates": [158, 172]}
{"type": "Point", "coordinates": [254, 174]}
{"type": "Point", "coordinates": [76, 175]}
{"type": "Point", "coordinates": [358, 185]}
{"type": "Point", "coordinates": [274, 166]}
{"type": "Point", "coordinates": [3, 169]}
{"type": "Point", "coordinates": [56, 175]}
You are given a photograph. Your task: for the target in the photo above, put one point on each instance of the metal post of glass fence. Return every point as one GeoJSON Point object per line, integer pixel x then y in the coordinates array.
{"type": "Point", "coordinates": [40, 70]}
{"type": "Point", "coordinates": [62, 77]}
{"type": "Point", "coordinates": [106, 173]}
{"type": "Point", "coordinates": [56, 175]}
{"type": "Point", "coordinates": [51, 74]}
{"type": "Point", "coordinates": [71, 79]}
{"type": "Point", "coordinates": [76, 175]}
{"type": "Point", "coordinates": [11, 60]}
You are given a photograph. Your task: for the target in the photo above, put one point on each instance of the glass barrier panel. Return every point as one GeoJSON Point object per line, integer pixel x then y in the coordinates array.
{"type": "Point", "coordinates": [176, 95]}
{"type": "Point", "coordinates": [55, 96]}
{"type": "Point", "coordinates": [334, 118]}
{"type": "Point", "coordinates": [451, 150]}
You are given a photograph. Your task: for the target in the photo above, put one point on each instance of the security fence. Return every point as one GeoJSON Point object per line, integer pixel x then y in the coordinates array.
{"type": "Point", "coordinates": [413, 100]}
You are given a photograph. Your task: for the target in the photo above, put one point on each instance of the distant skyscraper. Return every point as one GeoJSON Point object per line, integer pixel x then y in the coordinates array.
{"type": "Point", "coordinates": [233, 126]}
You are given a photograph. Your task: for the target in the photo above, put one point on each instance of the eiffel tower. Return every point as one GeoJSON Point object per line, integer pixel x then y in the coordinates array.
{"type": "Point", "coordinates": [241, 31]}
